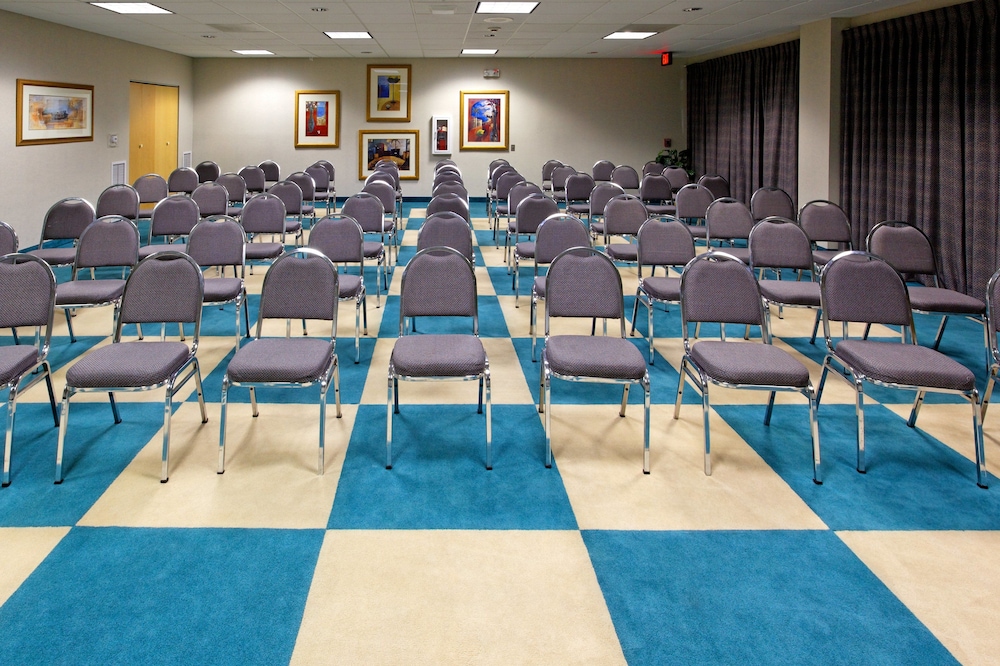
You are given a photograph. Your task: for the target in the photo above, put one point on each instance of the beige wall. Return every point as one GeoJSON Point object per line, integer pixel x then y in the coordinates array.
{"type": "Point", "coordinates": [34, 177]}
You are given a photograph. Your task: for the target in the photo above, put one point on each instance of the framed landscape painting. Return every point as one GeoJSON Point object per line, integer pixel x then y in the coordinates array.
{"type": "Point", "coordinates": [400, 146]}
{"type": "Point", "coordinates": [54, 112]}
{"type": "Point", "coordinates": [389, 93]}
{"type": "Point", "coordinates": [317, 118]}
{"type": "Point", "coordinates": [485, 120]}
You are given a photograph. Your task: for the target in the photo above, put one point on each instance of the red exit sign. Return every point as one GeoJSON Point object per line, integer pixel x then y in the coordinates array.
{"type": "Point", "coordinates": [666, 58]}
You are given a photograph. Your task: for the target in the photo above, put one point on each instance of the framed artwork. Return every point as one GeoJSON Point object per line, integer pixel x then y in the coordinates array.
{"type": "Point", "coordinates": [485, 120]}
{"type": "Point", "coordinates": [400, 146]}
{"type": "Point", "coordinates": [441, 134]}
{"type": "Point", "coordinates": [317, 118]}
{"type": "Point", "coordinates": [389, 93]}
{"type": "Point", "coordinates": [54, 112]}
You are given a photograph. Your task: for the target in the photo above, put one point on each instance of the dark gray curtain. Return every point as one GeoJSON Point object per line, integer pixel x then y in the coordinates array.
{"type": "Point", "coordinates": [743, 118]}
{"type": "Point", "coordinates": [921, 134]}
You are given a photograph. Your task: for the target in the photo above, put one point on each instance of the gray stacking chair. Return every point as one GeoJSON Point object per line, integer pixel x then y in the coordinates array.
{"type": "Point", "coordinates": [182, 180]}
{"type": "Point", "coordinates": [627, 177]}
{"type": "Point", "coordinates": [151, 188]}
{"type": "Point", "coordinates": [717, 185]}
{"type": "Point", "coordinates": [692, 203]}
{"type": "Point", "coordinates": [602, 193]}
{"type": "Point", "coordinates": [582, 282]}
{"type": "Point", "coordinates": [556, 234]}
{"type": "Point", "coordinates": [321, 187]}
{"type": "Point", "coordinates": [778, 243]}
{"type": "Point", "coordinates": [110, 242]}
{"type": "Point", "coordinates": [771, 202]}
{"type": "Point", "coordinates": [449, 203]}
{"type": "Point", "coordinates": [861, 287]}
{"type": "Point", "coordinates": [173, 218]}
{"type": "Point", "coordinates": [652, 167]}
{"type": "Point", "coordinates": [342, 240]}
{"type": "Point", "coordinates": [497, 168]}
{"type": "Point", "coordinates": [717, 287]}
{"type": "Point", "coordinates": [508, 207]}
{"type": "Point", "coordinates": [504, 185]}
{"type": "Point", "coordinates": [391, 169]}
{"type": "Point", "coordinates": [447, 229]}
{"type": "Point", "coordinates": [438, 281]}
{"type": "Point", "coordinates": [825, 222]}
{"type": "Point", "coordinates": [531, 212]}
{"type": "Point", "coordinates": [212, 199]}
{"type": "Point", "coordinates": [236, 192]}
{"type": "Point", "coordinates": [220, 241]}
{"type": "Point", "coordinates": [64, 221]}
{"type": "Point", "coordinates": [332, 185]}
{"type": "Point", "coordinates": [373, 250]}
{"type": "Point", "coordinates": [601, 171]}
{"type": "Point", "coordinates": [657, 193]}
{"type": "Point", "coordinates": [208, 171]}
{"type": "Point", "coordinates": [291, 195]}
{"type": "Point", "coordinates": [264, 214]}
{"type": "Point", "coordinates": [677, 176]}
{"type": "Point", "coordinates": [272, 172]}
{"type": "Point", "coordinates": [29, 289]}
{"type": "Point", "coordinates": [308, 187]}
{"type": "Point", "coordinates": [118, 200]}
{"type": "Point", "coordinates": [301, 284]}
{"type": "Point", "coordinates": [451, 187]}
{"type": "Point", "coordinates": [579, 187]}
{"type": "Point", "coordinates": [8, 239]}
{"type": "Point", "coordinates": [909, 251]}
{"type": "Point", "coordinates": [548, 167]}
{"type": "Point", "coordinates": [992, 327]}
{"type": "Point", "coordinates": [368, 210]}
{"type": "Point", "coordinates": [623, 216]}
{"type": "Point", "coordinates": [447, 175]}
{"type": "Point", "coordinates": [559, 177]}
{"type": "Point", "coordinates": [728, 221]}
{"type": "Point", "coordinates": [163, 288]}
{"type": "Point", "coordinates": [386, 194]}
{"type": "Point", "coordinates": [661, 241]}
{"type": "Point", "coordinates": [253, 176]}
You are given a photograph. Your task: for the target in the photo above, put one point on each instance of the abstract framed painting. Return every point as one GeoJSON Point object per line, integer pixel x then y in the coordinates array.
{"type": "Point", "coordinates": [485, 120]}
{"type": "Point", "coordinates": [400, 146]}
{"type": "Point", "coordinates": [389, 93]}
{"type": "Point", "coordinates": [50, 112]}
{"type": "Point", "coordinates": [317, 118]}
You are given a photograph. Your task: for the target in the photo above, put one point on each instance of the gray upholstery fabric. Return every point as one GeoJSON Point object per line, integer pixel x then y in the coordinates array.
{"type": "Point", "coordinates": [578, 189]}
{"type": "Point", "coordinates": [728, 219]}
{"type": "Point", "coordinates": [771, 202]}
{"type": "Point", "coordinates": [779, 243]}
{"type": "Point", "coordinates": [448, 203]}
{"type": "Point", "coordinates": [602, 170]}
{"type": "Point", "coordinates": [222, 289]}
{"type": "Point", "coordinates": [438, 356]}
{"type": "Point", "coordinates": [594, 356]}
{"type": "Point", "coordinates": [174, 216]}
{"type": "Point", "coordinates": [307, 186]}
{"type": "Point", "coordinates": [349, 285]}
{"type": "Point", "coordinates": [905, 247]}
{"type": "Point", "coordinates": [28, 288]}
{"type": "Point", "coordinates": [280, 360]}
{"type": "Point", "coordinates": [538, 286]}
{"type": "Point", "coordinates": [752, 363]}
{"type": "Point", "coordinates": [373, 249]}
{"type": "Point", "coordinates": [438, 284]}
{"type": "Point", "coordinates": [662, 288]}
{"type": "Point", "coordinates": [55, 256]}
{"type": "Point", "coordinates": [791, 292]}
{"type": "Point", "coordinates": [933, 299]}
{"type": "Point", "coordinates": [118, 200]}
{"type": "Point", "coordinates": [584, 284]}
{"type": "Point", "coordinates": [655, 189]}
{"type": "Point", "coordinates": [151, 188]}
{"type": "Point", "coordinates": [111, 241]}
{"type": "Point", "coordinates": [693, 200]}
{"type": "Point", "coordinates": [340, 238]}
{"type": "Point", "coordinates": [718, 185]}
{"type": "Point", "coordinates": [236, 187]}
{"type": "Point", "coordinates": [253, 176]}
{"type": "Point", "coordinates": [212, 199]}
{"type": "Point", "coordinates": [207, 171]}
{"type": "Point", "coordinates": [264, 251]}
{"type": "Point", "coordinates": [677, 176]}
{"type": "Point", "coordinates": [825, 221]}
{"type": "Point", "coordinates": [623, 215]}
{"type": "Point", "coordinates": [67, 218]}
{"type": "Point", "coordinates": [911, 365]}
{"type": "Point", "coordinates": [861, 288]}
{"type": "Point", "coordinates": [124, 364]}
{"type": "Point", "coordinates": [272, 172]}
{"type": "Point", "coordinates": [625, 176]}
{"type": "Point", "coordinates": [665, 243]}
{"type": "Point", "coordinates": [525, 249]}
{"type": "Point", "coordinates": [321, 180]}
{"type": "Point", "coordinates": [263, 213]}
{"type": "Point", "coordinates": [89, 292]}
{"type": "Point", "coordinates": [519, 193]}
{"type": "Point", "coordinates": [15, 360]}
{"type": "Point", "coordinates": [368, 210]}
{"type": "Point", "coordinates": [823, 257]}
{"type": "Point", "coordinates": [623, 251]}
{"type": "Point", "coordinates": [182, 179]}
{"type": "Point", "coordinates": [450, 187]}
{"type": "Point", "coordinates": [532, 211]}
{"type": "Point", "coordinates": [217, 242]}
{"type": "Point", "coordinates": [446, 230]}
{"type": "Point", "coordinates": [298, 287]}
{"type": "Point", "coordinates": [163, 288]}
{"type": "Point", "coordinates": [600, 196]}
{"type": "Point", "coordinates": [720, 291]}
{"type": "Point", "coordinates": [290, 194]}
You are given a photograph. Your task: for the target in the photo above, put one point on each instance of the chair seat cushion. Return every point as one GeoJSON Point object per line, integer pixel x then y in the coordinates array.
{"type": "Point", "coordinates": [622, 251]}
{"type": "Point", "coordinates": [89, 292]}
{"type": "Point", "coordinates": [597, 228]}
{"type": "Point", "coordinates": [234, 211]}
{"type": "Point", "coordinates": [308, 209]}
{"type": "Point", "coordinates": [741, 253]}
{"type": "Point", "coordinates": [55, 256]}
{"type": "Point", "coordinates": [662, 288]}
{"type": "Point", "coordinates": [503, 209]}
{"type": "Point", "coordinates": [594, 356]}
{"type": "Point", "coordinates": [350, 285]}
{"type": "Point", "coordinates": [373, 249]}
{"type": "Point", "coordinates": [538, 287]}
{"type": "Point", "coordinates": [749, 364]}
{"type": "Point", "coordinates": [15, 360]}
{"type": "Point", "coordinates": [661, 209]}
{"type": "Point", "coordinates": [935, 299]}
{"type": "Point", "coordinates": [280, 360]}
{"type": "Point", "coordinates": [910, 365]}
{"type": "Point", "coordinates": [698, 230]}
{"type": "Point", "coordinates": [578, 208]}
{"type": "Point", "coordinates": [438, 356]}
{"type": "Point", "coordinates": [791, 292]}
{"type": "Point", "coordinates": [147, 250]}
{"type": "Point", "coordinates": [823, 257]}
{"type": "Point", "coordinates": [293, 226]}
{"type": "Point", "coordinates": [222, 289]}
{"type": "Point", "coordinates": [525, 249]}
{"type": "Point", "coordinates": [125, 364]}
{"type": "Point", "coordinates": [264, 250]}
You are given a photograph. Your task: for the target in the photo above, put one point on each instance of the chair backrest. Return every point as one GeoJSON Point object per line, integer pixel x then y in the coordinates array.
{"type": "Point", "coordinates": [602, 193]}
{"type": "Point", "coordinates": [29, 289]}
{"type": "Point", "coordinates": [623, 215]}
{"type": "Point", "coordinates": [390, 169]}
{"type": "Point", "coordinates": [272, 172]}
{"type": "Point", "coordinates": [253, 176]}
{"type": "Point", "coordinates": [290, 195]}
{"type": "Point", "coordinates": [448, 202]}
{"type": "Point", "coordinates": [326, 164]}
{"type": "Point", "coordinates": [519, 192]}
{"type": "Point", "coordinates": [861, 287]}
{"type": "Point", "coordinates": [439, 282]}
{"type": "Point", "coordinates": [367, 209]}
{"type": "Point", "coordinates": [825, 221]}
{"type": "Point", "coordinates": [306, 184]}
{"type": "Point", "coordinates": [652, 167]}
{"type": "Point", "coordinates": [583, 282]}
{"type": "Point", "coordinates": [218, 241]}
{"type": "Point", "coordinates": [384, 192]}
{"type": "Point", "coordinates": [236, 187]}
{"type": "Point", "coordinates": [151, 188]}
{"type": "Point", "coordinates": [264, 213]}
{"type": "Point", "coordinates": [497, 171]}
{"type": "Point", "coordinates": [558, 233]}
{"type": "Point", "coordinates": [625, 176]}
{"type": "Point", "coordinates": [906, 248]}
{"type": "Point", "coordinates": [728, 219]}
{"type": "Point", "coordinates": [506, 182]}
{"type": "Point", "coordinates": [445, 163]}
{"type": "Point", "coordinates": [447, 175]}
{"type": "Point", "coordinates": [450, 187]}
{"type": "Point", "coordinates": [532, 211]}
{"type": "Point", "coordinates": [320, 177]}
{"type": "Point", "coordinates": [560, 175]}
{"type": "Point", "coordinates": [579, 186]}
{"type": "Point", "coordinates": [340, 238]}
{"type": "Point", "coordinates": [678, 177]}
{"type": "Point", "coordinates": [771, 202]}
{"type": "Point", "coordinates": [174, 216]}
{"type": "Point", "coordinates": [382, 177]}
{"type": "Point", "coordinates": [164, 287]}
{"type": "Point", "coordinates": [212, 199]}
{"type": "Point", "coordinates": [8, 239]}
{"type": "Point", "coordinates": [207, 171]}
{"type": "Point", "coordinates": [300, 284]}
{"type": "Point", "coordinates": [67, 218]}
{"type": "Point", "coordinates": [664, 241]}
{"type": "Point", "coordinates": [602, 171]}
{"type": "Point", "coordinates": [112, 240]}
{"type": "Point", "coordinates": [717, 184]}
{"type": "Point", "coordinates": [548, 167]}
{"type": "Point", "coordinates": [777, 242]}
{"type": "Point", "coordinates": [447, 229]}
{"type": "Point", "coordinates": [693, 201]}
{"type": "Point", "coordinates": [718, 287]}
{"type": "Point", "coordinates": [182, 179]}
{"type": "Point", "coordinates": [655, 187]}
{"type": "Point", "coordinates": [118, 200]}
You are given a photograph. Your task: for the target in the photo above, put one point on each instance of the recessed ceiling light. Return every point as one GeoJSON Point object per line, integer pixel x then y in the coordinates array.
{"type": "Point", "coordinates": [252, 51]}
{"type": "Point", "coordinates": [319, 9]}
{"type": "Point", "coordinates": [443, 10]}
{"type": "Point", "coordinates": [506, 7]}
{"type": "Point", "coordinates": [630, 35]}
{"type": "Point", "coordinates": [131, 7]}
{"type": "Point", "coordinates": [208, 36]}
{"type": "Point", "coordinates": [348, 35]}
{"type": "Point", "coordinates": [691, 9]}
{"type": "Point", "coordinates": [498, 19]}
{"type": "Point", "coordinates": [479, 51]}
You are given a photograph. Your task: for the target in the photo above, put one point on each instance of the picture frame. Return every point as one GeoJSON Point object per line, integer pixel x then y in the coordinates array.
{"type": "Point", "coordinates": [317, 118]}
{"type": "Point", "coordinates": [442, 135]}
{"type": "Point", "coordinates": [485, 120]}
{"type": "Point", "coordinates": [402, 146]}
{"type": "Point", "coordinates": [50, 112]}
{"type": "Point", "coordinates": [389, 93]}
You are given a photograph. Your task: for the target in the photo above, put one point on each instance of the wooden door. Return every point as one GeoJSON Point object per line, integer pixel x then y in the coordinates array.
{"type": "Point", "coordinates": [153, 114]}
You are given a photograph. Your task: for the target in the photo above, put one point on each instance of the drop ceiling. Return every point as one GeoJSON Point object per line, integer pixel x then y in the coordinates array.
{"type": "Point", "coordinates": [431, 29]}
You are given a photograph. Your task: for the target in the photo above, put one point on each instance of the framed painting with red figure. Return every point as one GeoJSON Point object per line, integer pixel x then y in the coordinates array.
{"type": "Point", "coordinates": [485, 120]}
{"type": "Point", "coordinates": [317, 118]}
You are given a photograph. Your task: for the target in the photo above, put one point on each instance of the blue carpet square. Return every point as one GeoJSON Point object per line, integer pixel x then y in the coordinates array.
{"type": "Point", "coordinates": [439, 478]}
{"type": "Point", "coordinates": [752, 598]}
